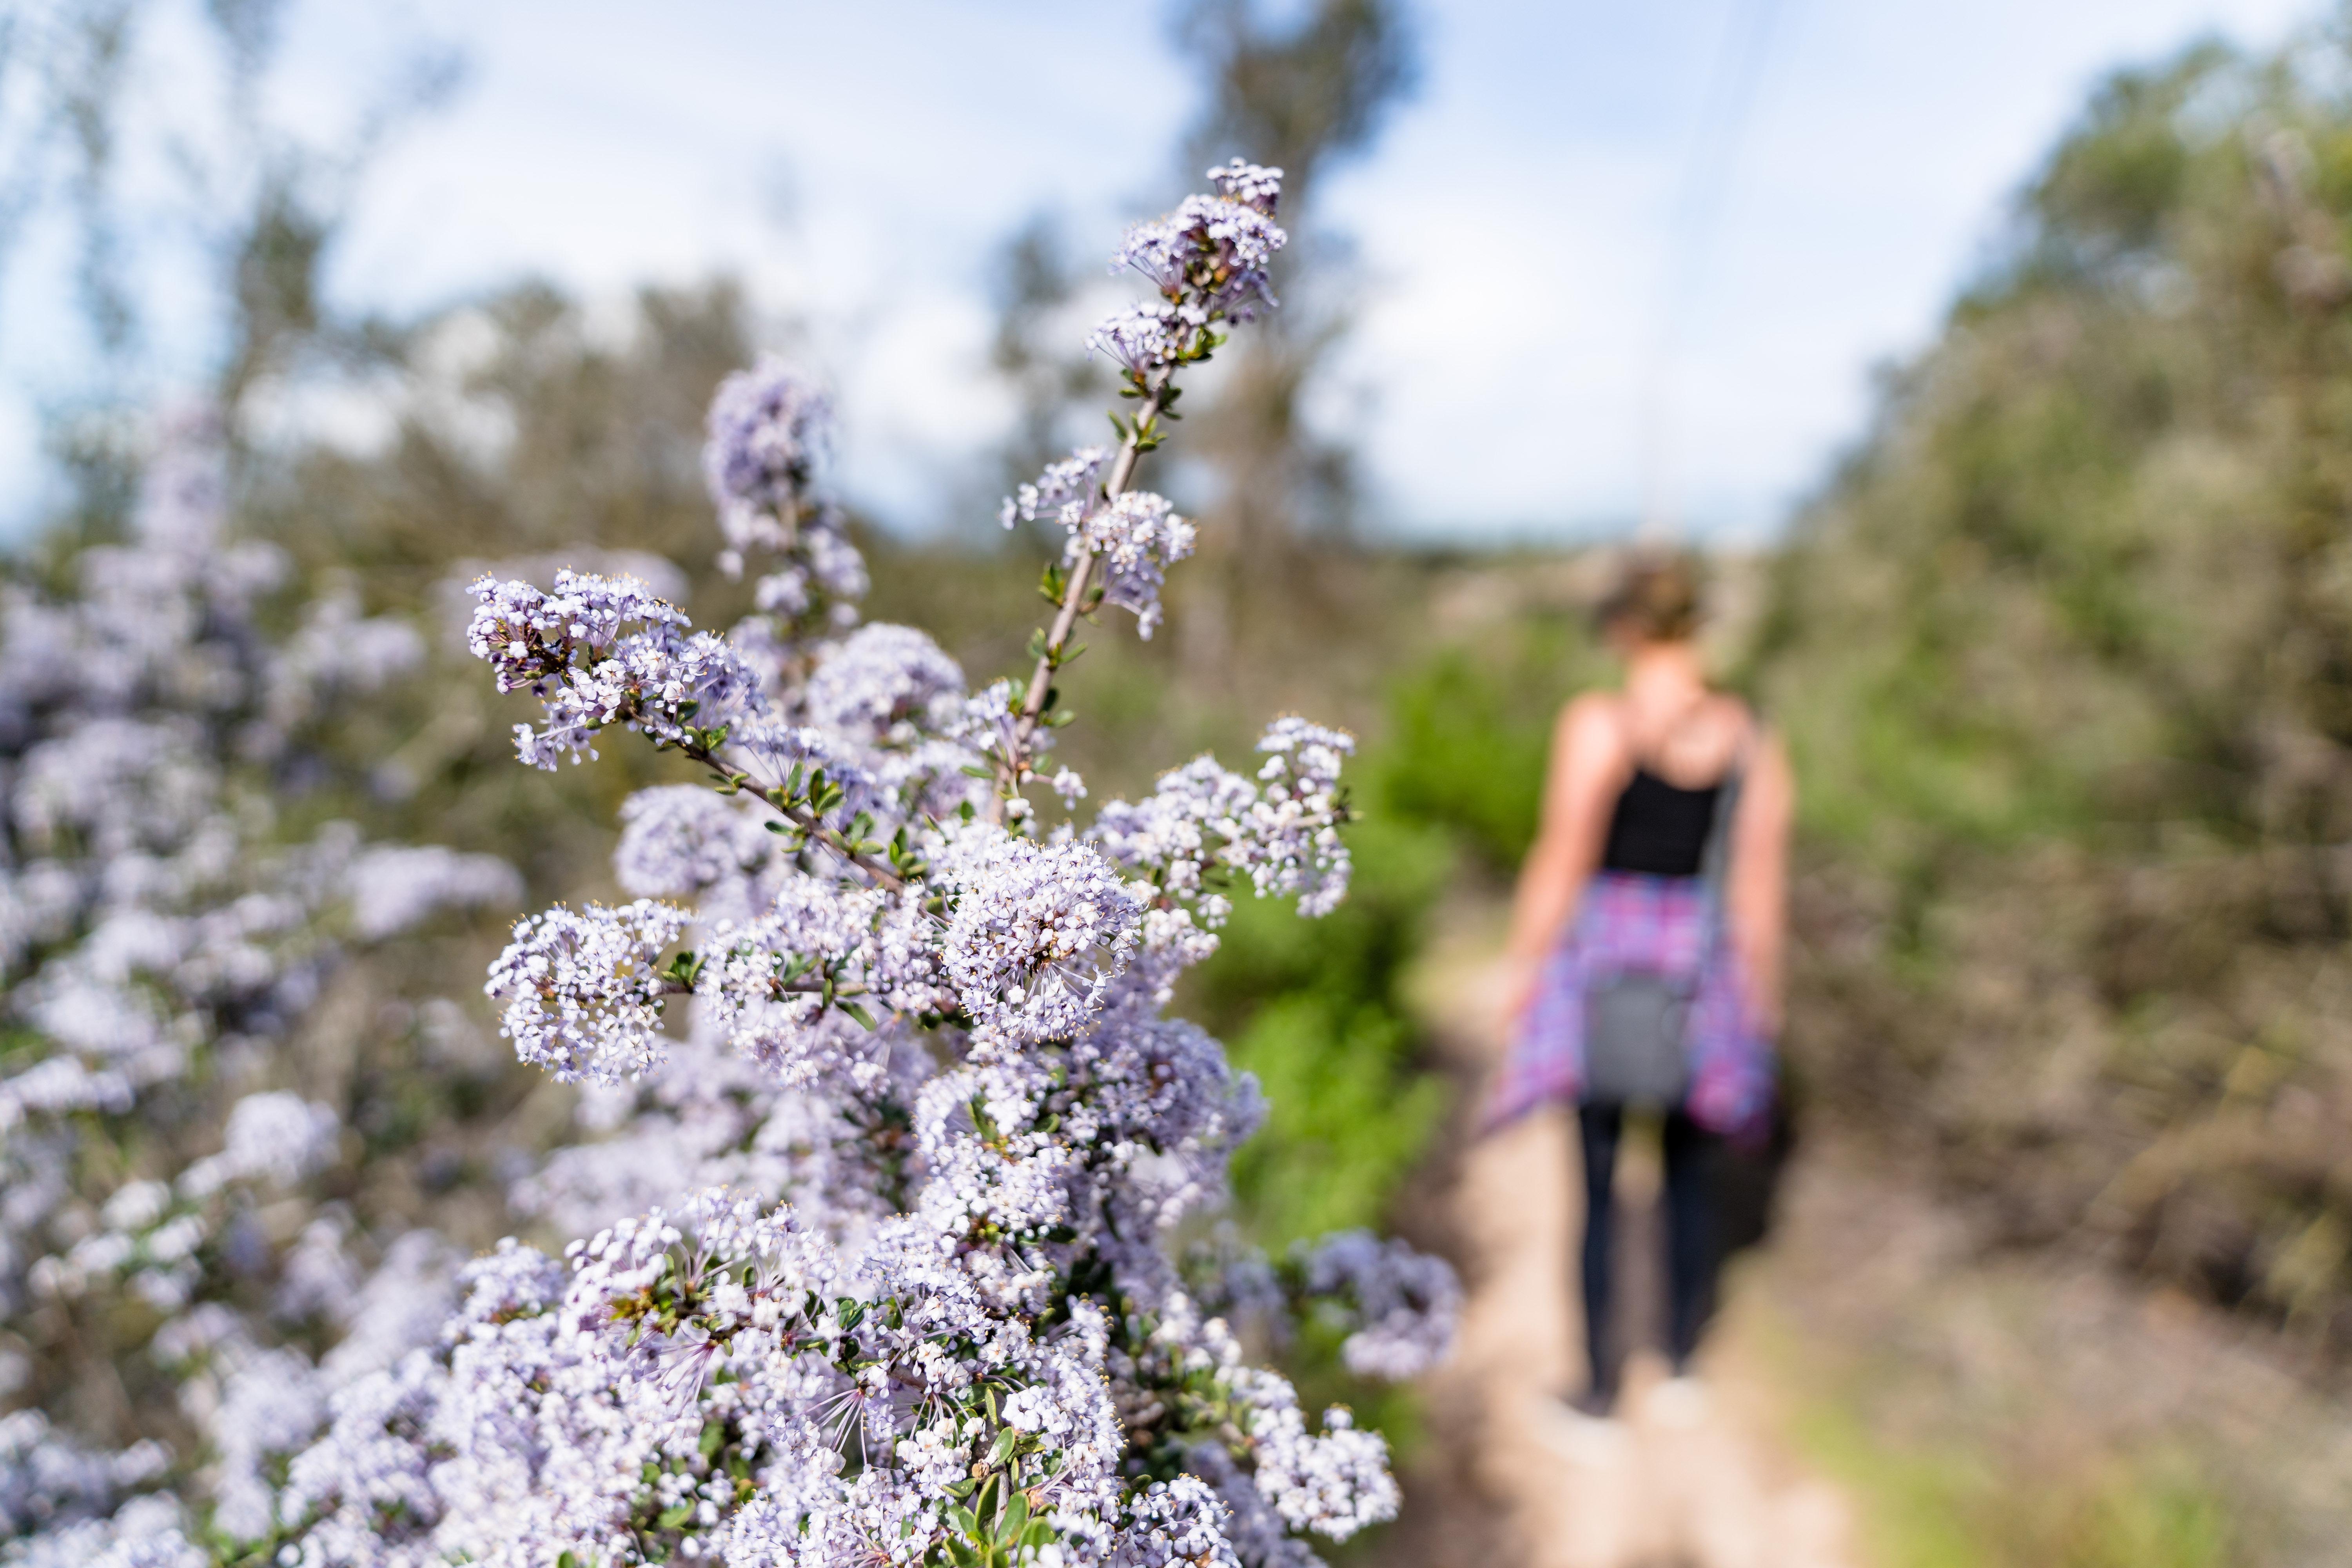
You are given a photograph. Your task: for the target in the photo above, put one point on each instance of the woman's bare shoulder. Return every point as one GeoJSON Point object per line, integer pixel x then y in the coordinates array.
{"type": "Point", "coordinates": [1592, 729]}
{"type": "Point", "coordinates": [1729, 711]}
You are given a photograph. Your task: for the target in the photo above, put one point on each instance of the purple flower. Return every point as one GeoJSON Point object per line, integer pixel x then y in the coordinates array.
{"type": "Point", "coordinates": [1251, 184]}
{"type": "Point", "coordinates": [1150, 336]}
{"type": "Point", "coordinates": [1211, 253]}
{"type": "Point", "coordinates": [767, 431]}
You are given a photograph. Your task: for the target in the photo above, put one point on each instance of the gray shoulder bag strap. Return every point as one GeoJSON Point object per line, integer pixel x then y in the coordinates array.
{"type": "Point", "coordinates": [1635, 1052]}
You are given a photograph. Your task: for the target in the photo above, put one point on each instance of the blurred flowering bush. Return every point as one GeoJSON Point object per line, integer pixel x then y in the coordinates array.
{"type": "Point", "coordinates": [880, 1234]}
{"type": "Point", "coordinates": [2063, 654]}
{"type": "Point", "coordinates": [166, 1254]}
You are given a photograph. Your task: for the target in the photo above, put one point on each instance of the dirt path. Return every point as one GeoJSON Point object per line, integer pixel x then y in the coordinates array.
{"type": "Point", "coordinates": [1687, 1477]}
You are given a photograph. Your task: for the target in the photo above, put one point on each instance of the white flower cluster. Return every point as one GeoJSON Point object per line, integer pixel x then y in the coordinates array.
{"type": "Point", "coordinates": [1152, 336]}
{"type": "Point", "coordinates": [1135, 536]}
{"type": "Point", "coordinates": [585, 991]}
{"type": "Point", "coordinates": [878, 1263]}
{"type": "Point", "coordinates": [1402, 1304]}
{"type": "Point", "coordinates": [679, 840]}
{"type": "Point", "coordinates": [769, 426]}
{"type": "Point", "coordinates": [1294, 828]}
{"type": "Point", "coordinates": [162, 937]}
{"type": "Point", "coordinates": [885, 686]}
{"type": "Point", "coordinates": [1066, 493]}
{"type": "Point", "coordinates": [1203, 821]}
{"type": "Point", "coordinates": [527, 637]}
{"type": "Point", "coordinates": [768, 429]}
{"type": "Point", "coordinates": [1212, 252]}
{"type": "Point", "coordinates": [1039, 933]}
{"type": "Point", "coordinates": [571, 649]}
{"type": "Point", "coordinates": [1238, 180]}
{"type": "Point", "coordinates": [1138, 537]}
{"type": "Point", "coordinates": [395, 886]}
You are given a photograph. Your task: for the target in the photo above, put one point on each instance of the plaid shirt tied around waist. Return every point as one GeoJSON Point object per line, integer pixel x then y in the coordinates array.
{"type": "Point", "coordinates": [1629, 923]}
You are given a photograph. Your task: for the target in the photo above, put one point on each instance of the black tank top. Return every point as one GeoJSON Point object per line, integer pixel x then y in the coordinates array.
{"type": "Point", "coordinates": [1659, 829]}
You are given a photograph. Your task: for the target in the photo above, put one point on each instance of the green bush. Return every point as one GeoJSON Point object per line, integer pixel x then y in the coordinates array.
{"type": "Point", "coordinates": [1471, 731]}
{"type": "Point", "coordinates": [1312, 1008]}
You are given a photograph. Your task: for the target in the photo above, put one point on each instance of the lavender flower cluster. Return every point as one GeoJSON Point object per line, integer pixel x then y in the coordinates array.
{"type": "Point", "coordinates": [160, 938]}
{"type": "Point", "coordinates": [896, 1129]}
{"type": "Point", "coordinates": [1212, 252]}
{"type": "Point", "coordinates": [1209, 260]}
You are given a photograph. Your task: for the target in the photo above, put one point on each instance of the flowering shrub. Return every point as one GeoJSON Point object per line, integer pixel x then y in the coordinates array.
{"type": "Point", "coordinates": [895, 1281]}
{"type": "Point", "coordinates": [160, 937]}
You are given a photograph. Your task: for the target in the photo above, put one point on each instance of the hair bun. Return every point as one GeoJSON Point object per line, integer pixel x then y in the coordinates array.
{"type": "Point", "coordinates": [1657, 598]}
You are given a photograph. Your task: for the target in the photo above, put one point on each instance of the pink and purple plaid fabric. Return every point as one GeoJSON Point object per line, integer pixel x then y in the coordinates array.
{"type": "Point", "coordinates": [1630, 923]}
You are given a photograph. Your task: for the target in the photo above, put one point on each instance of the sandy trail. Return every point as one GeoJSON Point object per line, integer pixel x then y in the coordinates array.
{"type": "Point", "coordinates": [1691, 1481]}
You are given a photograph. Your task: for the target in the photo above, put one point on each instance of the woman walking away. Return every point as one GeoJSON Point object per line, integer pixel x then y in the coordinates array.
{"type": "Point", "coordinates": [1645, 940]}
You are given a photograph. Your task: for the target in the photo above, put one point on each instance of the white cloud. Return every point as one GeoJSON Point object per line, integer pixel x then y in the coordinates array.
{"type": "Point", "coordinates": [857, 164]}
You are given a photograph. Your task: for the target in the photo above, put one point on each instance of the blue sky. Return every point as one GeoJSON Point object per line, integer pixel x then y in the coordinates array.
{"type": "Point", "coordinates": [1551, 344]}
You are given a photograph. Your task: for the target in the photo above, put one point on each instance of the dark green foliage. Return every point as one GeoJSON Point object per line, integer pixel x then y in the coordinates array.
{"type": "Point", "coordinates": [1312, 1008]}
{"type": "Point", "coordinates": [2066, 658]}
{"type": "Point", "coordinates": [1471, 734]}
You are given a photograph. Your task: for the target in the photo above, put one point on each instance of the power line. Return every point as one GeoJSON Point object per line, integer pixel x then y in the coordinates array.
{"type": "Point", "coordinates": [1706, 179]}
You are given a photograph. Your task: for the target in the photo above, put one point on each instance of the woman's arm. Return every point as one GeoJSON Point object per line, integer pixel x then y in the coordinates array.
{"type": "Point", "coordinates": [1756, 897]}
{"type": "Point", "coordinates": [1587, 767]}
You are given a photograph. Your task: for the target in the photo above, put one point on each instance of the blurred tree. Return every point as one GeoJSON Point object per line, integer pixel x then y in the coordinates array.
{"type": "Point", "coordinates": [1303, 92]}
{"type": "Point", "coordinates": [1038, 351]}
{"type": "Point", "coordinates": [2067, 654]}
{"type": "Point", "coordinates": [252, 208]}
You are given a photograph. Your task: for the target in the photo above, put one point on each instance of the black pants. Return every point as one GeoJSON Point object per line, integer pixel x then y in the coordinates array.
{"type": "Point", "coordinates": [1691, 1255]}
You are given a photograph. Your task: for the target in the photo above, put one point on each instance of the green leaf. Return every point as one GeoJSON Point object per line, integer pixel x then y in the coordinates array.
{"type": "Point", "coordinates": [865, 1018]}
